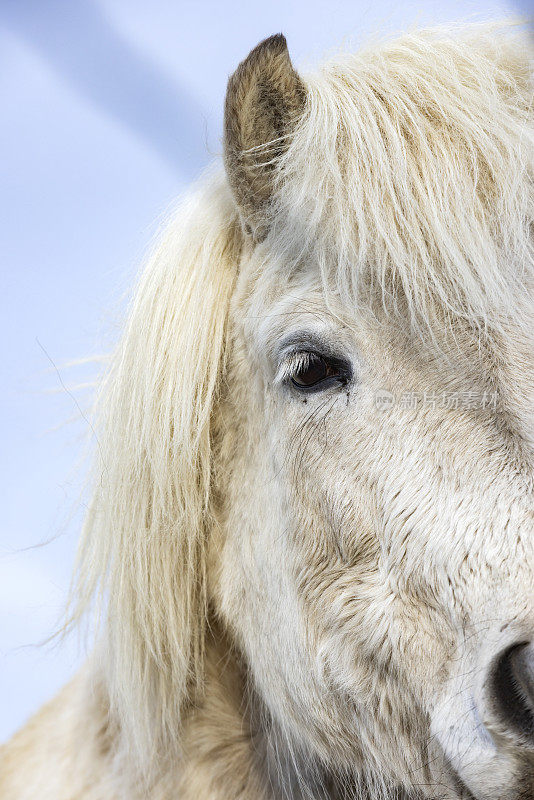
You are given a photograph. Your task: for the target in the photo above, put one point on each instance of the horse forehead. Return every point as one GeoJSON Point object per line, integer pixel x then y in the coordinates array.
{"type": "Point", "coordinates": [273, 306]}
{"type": "Point", "coordinates": [276, 307]}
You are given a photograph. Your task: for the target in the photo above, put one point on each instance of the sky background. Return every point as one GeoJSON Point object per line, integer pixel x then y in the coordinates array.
{"type": "Point", "coordinates": [110, 108]}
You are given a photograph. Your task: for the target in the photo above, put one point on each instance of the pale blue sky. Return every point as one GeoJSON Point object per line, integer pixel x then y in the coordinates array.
{"type": "Point", "coordinates": [109, 109]}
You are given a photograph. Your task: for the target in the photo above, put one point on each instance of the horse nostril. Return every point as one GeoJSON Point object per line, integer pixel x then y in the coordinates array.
{"type": "Point", "coordinates": [513, 689]}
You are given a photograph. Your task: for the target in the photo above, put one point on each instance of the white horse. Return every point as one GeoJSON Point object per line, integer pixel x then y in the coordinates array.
{"type": "Point", "coordinates": [311, 540]}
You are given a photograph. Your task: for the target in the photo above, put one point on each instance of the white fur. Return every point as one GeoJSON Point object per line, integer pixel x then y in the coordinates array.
{"type": "Point", "coordinates": [359, 569]}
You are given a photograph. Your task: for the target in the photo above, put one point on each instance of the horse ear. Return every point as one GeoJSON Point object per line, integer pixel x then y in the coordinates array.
{"type": "Point", "coordinates": [264, 97]}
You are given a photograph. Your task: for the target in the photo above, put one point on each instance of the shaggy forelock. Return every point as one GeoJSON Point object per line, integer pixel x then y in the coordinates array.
{"type": "Point", "coordinates": [409, 175]}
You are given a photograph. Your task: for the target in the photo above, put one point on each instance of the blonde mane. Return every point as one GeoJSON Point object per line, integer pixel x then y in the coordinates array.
{"type": "Point", "coordinates": [142, 552]}
{"type": "Point", "coordinates": [410, 171]}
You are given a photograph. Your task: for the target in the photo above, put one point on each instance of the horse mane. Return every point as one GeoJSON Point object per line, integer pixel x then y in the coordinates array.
{"type": "Point", "coordinates": [410, 167]}
{"type": "Point", "coordinates": [142, 551]}
{"type": "Point", "coordinates": [410, 174]}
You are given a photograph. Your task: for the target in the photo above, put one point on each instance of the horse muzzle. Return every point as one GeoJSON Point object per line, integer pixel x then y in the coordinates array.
{"type": "Point", "coordinates": [485, 723]}
{"type": "Point", "coordinates": [510, 692]}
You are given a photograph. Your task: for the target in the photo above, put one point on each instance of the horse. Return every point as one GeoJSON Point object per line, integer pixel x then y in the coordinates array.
{"type": "Point", "coordinates": [308, 558]}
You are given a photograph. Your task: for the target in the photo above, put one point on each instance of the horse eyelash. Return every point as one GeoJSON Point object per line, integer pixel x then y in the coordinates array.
{"type": "Point", "coordinates": [292, 364]}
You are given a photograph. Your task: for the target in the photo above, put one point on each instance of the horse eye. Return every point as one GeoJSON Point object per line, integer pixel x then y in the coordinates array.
{"type": "Point", "coordinates": [317, 372]}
